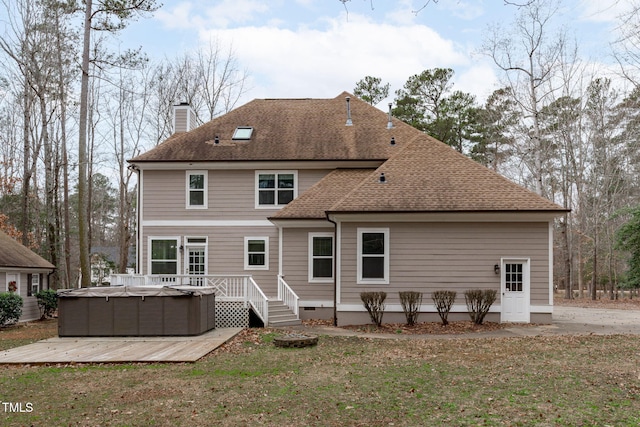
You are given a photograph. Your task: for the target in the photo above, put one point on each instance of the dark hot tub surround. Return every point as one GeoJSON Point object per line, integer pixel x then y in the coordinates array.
{"type": "Point", "coordinates": [135, 311]}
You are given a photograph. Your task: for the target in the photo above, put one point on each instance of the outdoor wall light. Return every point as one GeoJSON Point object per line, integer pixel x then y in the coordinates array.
{"type": "Point", "coordinates": [496, 268]}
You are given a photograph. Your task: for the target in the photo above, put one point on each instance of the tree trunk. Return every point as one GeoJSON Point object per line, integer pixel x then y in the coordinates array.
{"type": "Point", "coordinates": [82, 153]}
{"type": "Point", "coordinates": [567, 258]}
{"type": "Point", "coordinates": [26, 177]}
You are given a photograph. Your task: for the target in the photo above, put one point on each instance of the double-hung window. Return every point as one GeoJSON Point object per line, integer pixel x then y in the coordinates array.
{"type": "Point", "coordinates": [275, 188]}
{"type": "Point", "coordinates": [373, 256]}
{"type": "Point", "coordinates": [321, 257]}
{"type": "Point", "coordinates": [256, 253]}
{"type": "Point", "coordinates": [164, 255]}
{"type": "Point", "coordinates": [196, 189]}
{"type": "Point", "coordinates": [33, 284]}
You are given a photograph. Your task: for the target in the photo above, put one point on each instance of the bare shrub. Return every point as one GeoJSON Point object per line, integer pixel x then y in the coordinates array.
{"type": "Point", "coordinates": [443, 301]}
{"type": "Point", "coordinates": [411, 302]}
{"type": "Point", "coordinates": [479, 302]}
{"type": "Point", "coordinates": [374, 303]}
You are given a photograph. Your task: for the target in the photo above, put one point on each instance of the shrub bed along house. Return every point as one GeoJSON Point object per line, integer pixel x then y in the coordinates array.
{"type": "Point", "coordinates": [411, 302]}
{"type": "Point", "coordinates": [374, 303]}
{"type": "Point", "coordinates": [443, 301]}
{"type": "Point", "coordinates": [10, 308]}
{"type": "Point", "coordinates": [479, 302]}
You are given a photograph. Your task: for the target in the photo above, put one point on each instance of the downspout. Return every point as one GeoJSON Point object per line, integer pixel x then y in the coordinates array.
{"type": "Point", "coordinates": [335, 269]}
{"type": "Point", "coordinates": [136, 169]}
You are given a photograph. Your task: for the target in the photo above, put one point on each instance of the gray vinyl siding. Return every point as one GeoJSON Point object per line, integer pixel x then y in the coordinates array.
{"type": "Point", "coordinates": [231, 195]}
{"type": "Point", "coordinates": [296, 265]}
{"type": "Point", "coordinates": [449, 256]}
{"type": "Point", "coordinates": [225, 251]}
{"type": "Point", "coordinates": [30, 310]}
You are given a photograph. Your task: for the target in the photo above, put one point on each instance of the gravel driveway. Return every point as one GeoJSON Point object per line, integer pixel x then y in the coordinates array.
{"type": "Point", "coordinates": [577, 320]}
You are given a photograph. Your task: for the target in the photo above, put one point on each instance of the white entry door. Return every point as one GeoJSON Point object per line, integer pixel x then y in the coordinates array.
{"type": "Point", "coordinates": [515, 291]}
{"type": "Point", "coordinates": [196, 264]}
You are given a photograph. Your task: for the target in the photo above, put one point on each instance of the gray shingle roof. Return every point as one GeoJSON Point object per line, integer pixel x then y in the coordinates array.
{"type": "Point", "coordinates": [14, 255]}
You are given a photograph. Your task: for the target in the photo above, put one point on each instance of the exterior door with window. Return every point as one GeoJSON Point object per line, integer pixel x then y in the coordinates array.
{"type": "Point", "coordinates": [515, 290]}
{"type": "Point", "coordinates": [196, 263]}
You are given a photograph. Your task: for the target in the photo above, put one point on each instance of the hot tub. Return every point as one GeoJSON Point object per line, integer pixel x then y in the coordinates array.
{"type": "Point", "coordinates": [135, 311]}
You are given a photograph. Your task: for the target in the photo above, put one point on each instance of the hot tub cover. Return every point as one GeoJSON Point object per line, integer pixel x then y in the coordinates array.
{"type": "Point", "coordinates": [135, 291]}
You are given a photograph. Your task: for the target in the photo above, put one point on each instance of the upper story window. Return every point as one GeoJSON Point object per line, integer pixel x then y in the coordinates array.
{"type": "Point", "coordinates": [197, 189]}
{"type": "Point", "coordinates": [373, 256]}
{"type": "Point", "coordinates": [242, 132]}
{"type": "Point", "coordinates": [275, 188]}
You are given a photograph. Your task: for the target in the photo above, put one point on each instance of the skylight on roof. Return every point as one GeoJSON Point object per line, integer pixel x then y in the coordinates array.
{"type": "Point", "coordinates": [243, 132]}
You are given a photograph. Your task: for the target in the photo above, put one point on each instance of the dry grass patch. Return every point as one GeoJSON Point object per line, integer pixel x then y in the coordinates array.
{"type": "Point", "coordinates": [559, 381]}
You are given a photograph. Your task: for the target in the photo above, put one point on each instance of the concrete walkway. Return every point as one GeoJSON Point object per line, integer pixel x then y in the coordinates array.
{"type": "Point", "coordinates": [566, 321]}
{"type": "Point", "coordinates": [119, 349]}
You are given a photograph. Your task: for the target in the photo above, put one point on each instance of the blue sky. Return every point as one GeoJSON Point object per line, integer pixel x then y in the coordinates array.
{"type": "Point", "coordinates": [316, 48]}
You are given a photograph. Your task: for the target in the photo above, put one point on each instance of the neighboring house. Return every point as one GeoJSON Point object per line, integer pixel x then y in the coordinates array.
{"type": "Point", "coordinates": [334, 197]}
{"type": "Point", "coordinates": [25, 272]}
{"type": "Point", "coordinates": [104, 261]}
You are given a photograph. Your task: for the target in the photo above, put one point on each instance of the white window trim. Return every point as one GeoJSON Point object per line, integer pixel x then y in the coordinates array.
{"type": "Point", "coordinates": [35, 281]}
{"type": "Point", "coordinates": [205, 189]}
{"type": "Point", "coordinates": [188, 245]}
{"type": "Point", "coordinates": [274, 172]}
{"type": "Point", "coordinates": [246, 253]}
{"type": "Point", "coordinates": [311, 257]}
{"type": "Point", "coordinates": [149, 252]}
{"type": "Point", "coordinates": [385, 279]}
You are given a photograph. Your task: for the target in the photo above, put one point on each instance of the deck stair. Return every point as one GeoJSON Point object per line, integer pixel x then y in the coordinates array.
{"type": "Point", "coordinates": [281, 315]}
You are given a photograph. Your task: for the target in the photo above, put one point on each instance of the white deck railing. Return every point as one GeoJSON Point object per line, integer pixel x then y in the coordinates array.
{"type": "Point", "coordinates": [287, 296]}
{"type": "Point", "coordinates": [228, 287]}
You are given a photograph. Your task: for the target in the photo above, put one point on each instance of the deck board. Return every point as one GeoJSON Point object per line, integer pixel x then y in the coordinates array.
{"type": "Point", "coordinates": [119, 349]}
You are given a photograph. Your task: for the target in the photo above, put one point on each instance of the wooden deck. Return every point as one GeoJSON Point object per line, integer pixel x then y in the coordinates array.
{"type": "Point", "coordinates": [119, 349]}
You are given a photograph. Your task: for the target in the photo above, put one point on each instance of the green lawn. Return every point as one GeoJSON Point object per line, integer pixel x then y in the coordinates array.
{"type": "Point", "coordinates": [572, 381]}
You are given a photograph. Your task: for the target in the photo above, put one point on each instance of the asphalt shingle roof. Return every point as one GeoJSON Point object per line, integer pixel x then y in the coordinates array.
{"type": "Point", "coordinates": [15, 255]}
{"type": "Point", "coordinates": [313, 203]}
{"type": "Point", "coordinates": [289, 129]}
{"type": "Point", "coordinates": [429, 176]}
{"type": "Point", "coordinates": [422, 174]}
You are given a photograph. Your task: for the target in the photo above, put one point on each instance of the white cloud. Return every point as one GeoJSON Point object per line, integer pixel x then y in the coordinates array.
{"type": "Point", "coordinates": [480, 80]}
{"type": "Point", "coordinates": [200, 14]}
{"type": "Point", "coordinates": [467, 10]}
{"type": "Point", "coordinates": [603, 11]}
{"type": "Point", "coordinates": [323, 62]}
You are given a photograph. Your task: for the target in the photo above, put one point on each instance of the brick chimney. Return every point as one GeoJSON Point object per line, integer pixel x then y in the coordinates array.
{"type": "Point", "coordinates": [184, 119]}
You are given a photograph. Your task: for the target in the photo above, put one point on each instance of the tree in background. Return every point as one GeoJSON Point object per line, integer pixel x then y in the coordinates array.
{"type": "Point", "coordinates": [427, 103]}
{"type": "Point", "coordinates": [497, 120]}
{"type": "Point", "coordinates": [371, 90]}
{"type": "Point", "coordinates": [628, 240]}
{"type": "Point", "coordinates": [529, 55]}
{"type": "Point", "coordinates": [108, 16]}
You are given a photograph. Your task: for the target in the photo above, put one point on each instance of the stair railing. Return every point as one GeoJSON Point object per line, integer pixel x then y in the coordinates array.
{"type": "Point", "coordinates": [287, 296]}
{"type": "Point", "coordinates": [257, 299]}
